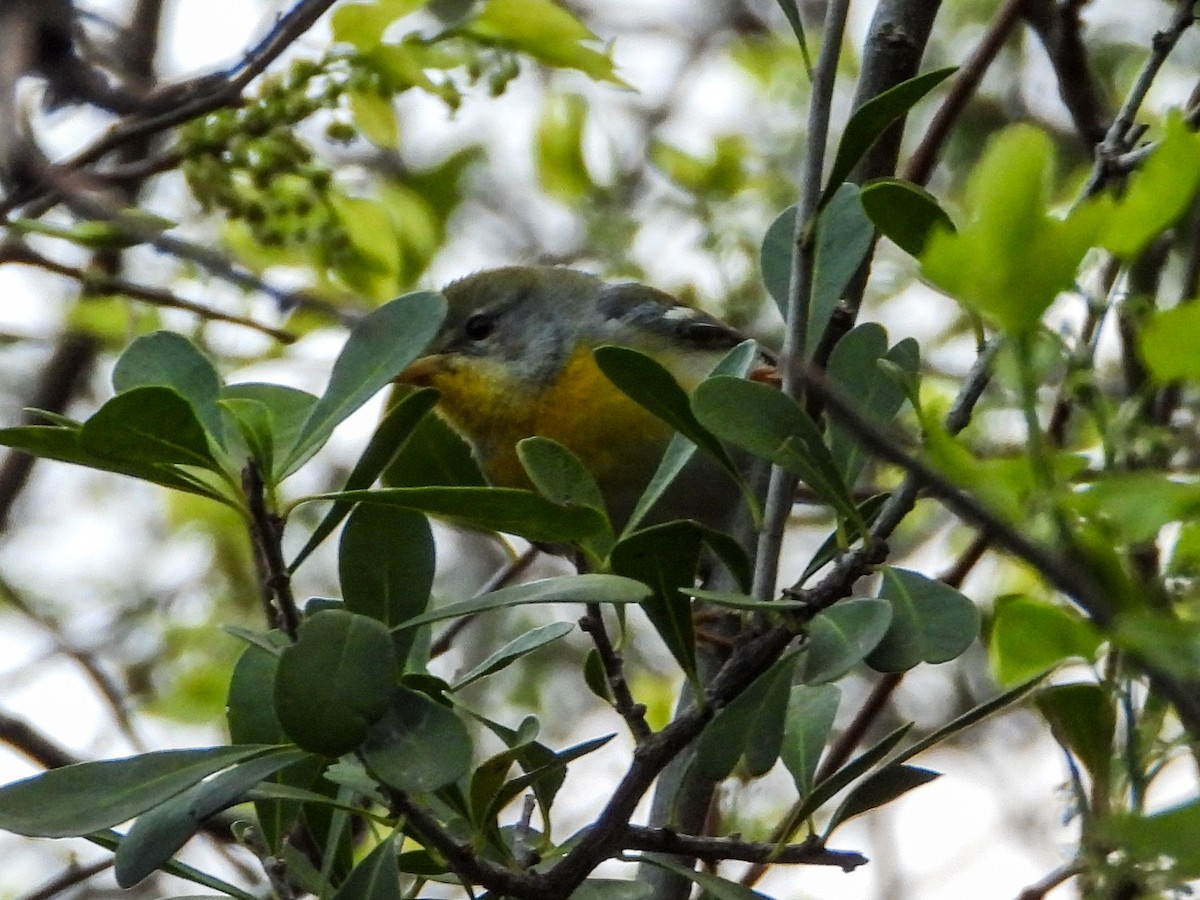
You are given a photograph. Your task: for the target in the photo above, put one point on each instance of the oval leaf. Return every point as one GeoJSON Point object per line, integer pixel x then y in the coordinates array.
{"type": "Point", "coordinates": [418, 745]}
{"type": "Point", "coordinates": [840, 637]}
{"type": "Point", "coordinates": [931, 622]}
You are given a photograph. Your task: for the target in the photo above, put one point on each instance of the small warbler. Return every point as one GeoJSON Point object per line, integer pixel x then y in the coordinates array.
{"type": "Point", "coordinates": [514, 359]}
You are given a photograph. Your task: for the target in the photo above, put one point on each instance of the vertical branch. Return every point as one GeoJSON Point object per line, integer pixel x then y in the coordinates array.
{"type": "Point", "coordinates": [782, 484]}
{"type": "Point", "coordinates": [266, 534]}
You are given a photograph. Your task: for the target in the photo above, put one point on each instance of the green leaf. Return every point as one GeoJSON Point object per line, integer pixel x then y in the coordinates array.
{"type": "Point", "coordinates": [153, 425]}
{"type": "Point", "coordinates": [418, 746]}
{"type": "Point", "coordinates": [86, 797]}
{"type": "Point", "coordinates": [363, 24]}
{"type": "Point", "coordinates": [1162, 640]}
{"type": "Point", "coordinates": [1170, 343]}
{"type": "Point", "coordinates": [514, 650]}
{"type": "Point", "coordinates": [775, 257]}
{"type": "Point", "coordinates": [564, 480]}
{"type": "Point", "coordinates": [807, 725]}
{"type": "Point", "coordinates": [375, 117]}
{"type": "Point", "coordinates": [834, 545]}
{"type": "Point", "coordinates": [1083, 720]}
{"type": "Point", "coordinates": [1134, 506]}
{"type": "Point", "coordinates": [510, 510]}
{"type": "Point", "coordinates": [986, 264]}
{"type": "Point", "coordinates": [844, 235]}
{"type": "Point", "coordinates": [377, 877]}
{"type": "Point", "coordinates": [872, 119]}
{"type": "Point", "coordinates": [160, 832]}
{"type": "Point", "coordinates": [1029, 636]}
{"type": "Point", "coordinates": [166, 359]}
{"type": "Point", "coordinates": [652, 386]}
{"type": "Point", "coordinates": [751, 726]}
{"type": "Point", "coordinates": [546, 31]}
{"type": "Point", "coordinates": [378, 349]}
{"type": "Point", "coordinates": [593, 588]}
{"type": "Point", "coordinates": [288, 407]}
{"type": "Point", "coordinates": [743, 602]}
{"type": "Point", "coordinates": [970, 718]}
{"type": "Point", "coordinates": [385, 567]}
{"type": "Point", "coordinates": [561, 167]}
{"type": "Point", "coordinates": [771, 425]}
{"type": "Point", "coordinates": [62, 444]}
{"type": "Point", "coordinates": [111, 840]}
{"type": "Point", "coordinates": [398, 426]}
{"type": "Point", "coordinates": [1157, 193]}
{"type": "Point", "coordinates": [931, 622]}
{"type": "Point", "coordinates": [854, 368]}
{"type": "Point", "coordinates": [1166, 836]}
{"type": "Point", "coordinates": [840, 637]}
{"type": "Point", "coordinates": [334, 682]}
{"type": "Point", "coordinates": [434, 454]}
{"type": "Point", "coordinates": [714, 887]}
{"type": "Point", "coordinates": [854, 769]}
{"type": "Point", "coordinates": [737, 362]}
{"type": "Point", "coordinates": [253, 435]}
{"type": "Point", "coordinates": [878, 789]}
{"type": "Point", "coordinates": [791, 12]}
{"type": "Point", "coordinates": [904, 212]}
{"type": "Point", "coordinates": [665, 557]}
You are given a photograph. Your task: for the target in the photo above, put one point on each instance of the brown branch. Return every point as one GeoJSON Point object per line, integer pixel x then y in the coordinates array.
{"type": "Point", "coordinates": [22, 736]}
{"type": "Point", "coordinates": [1058, 27]}
{"type": "Point", "coordinates": [962, 87]}
{"type": "Point", "coordinates": [266, 534]}
{"type": "Point", "coordinates": [98, 282]}
{"type": "Point", "coordinates": [631, 711]}
{"type": "Point", "coordinates": [72, 876]}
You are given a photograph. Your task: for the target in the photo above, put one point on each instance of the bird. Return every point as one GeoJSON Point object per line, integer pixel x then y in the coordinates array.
{"type": "Point", "coordinates": [514, 359]}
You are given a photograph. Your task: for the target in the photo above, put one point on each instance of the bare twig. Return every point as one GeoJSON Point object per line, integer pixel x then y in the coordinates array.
{"type": "Point", "coordinates": [97, 282]}
{"type": "Point", "coordinates": [28, 740]}
{"type": "Point", "coordinates": [266, 533]}
{"type": "Point", "coordinates": [1058, 27]}
{"type": "Point", "coordinates": [809, 853]}
{"type": "Point", "coordinates": [73, 876]}
{"type": "Point", "coordinates": [506, 575]}
{"type": "Point", "coordinates": [631, 711]}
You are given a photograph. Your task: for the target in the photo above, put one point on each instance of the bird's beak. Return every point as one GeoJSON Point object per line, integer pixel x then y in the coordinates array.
{"type": "Point", "coordinates": [422, 372]}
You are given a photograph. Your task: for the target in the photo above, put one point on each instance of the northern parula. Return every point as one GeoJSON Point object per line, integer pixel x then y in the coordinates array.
{"type": "Point", "coordinates": [514, 359]}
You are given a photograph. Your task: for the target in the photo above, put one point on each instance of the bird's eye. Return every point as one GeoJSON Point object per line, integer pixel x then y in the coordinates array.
{"type": "Point", "coordinates": [479, 326]}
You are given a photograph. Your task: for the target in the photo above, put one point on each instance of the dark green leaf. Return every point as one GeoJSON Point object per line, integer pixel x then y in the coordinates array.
{"type": "Point", "coordinates": [854, 368]}
{"type": "Point", "coordinates": [1083, 720]}
{"type": "Point", "coordinates": [809, 721]}
{"type": "Point", "coordinates": [750, 727]}
{"type": "Point", "coordinates": [151, 425]}
{"type": "Point", "coordinates": [435, 454]}
{"type": "Point", "coordinates": [510, 510]}
{"type": "Point", "coordinates": [665, 558]}
{"type": "Point", "coordinates": [378, 349]}
{"type": "Point", "coordinates": [110, 840]}
{"type": "Point", "coordinates": [86, 797]}
{"type": "Point", "coordinates": [879, 789]}
{"type": "Point", "coordinates": [252, 436]}
{"type": "Point", "coordinates": [160, 832]}
{"type": "Point", "coordinates": [543, 772]}
{"type": "Point", "coordinates": [397, 427]}
{"type": "Point", "coordinates": [418, 746]}
{"type": "Point", "coordinates": [771, 425]}
{"type": "Point", "coordinates": [844, 235]}
{"type": "Point", "coordinates": [166, 359]}
{"type": "Point", "coordinates": [385, 566]}
{"type": "Point", "coordinates": [737, 362]}
{"type": "Point", "coordinates": [841, 636]}
{"type": "Point", "coordinates": [854, 769]}
{"type": "Point", "coordinates": [561, 478]}
{"type": "Point", "coordinates": [611, 889]}
{"type": "Point", "coordinates": [514, 650]}
{"type": "Point", "coordinates": [970, 718]}
{"type": "Point", "coordinates": [931, 622]}
{"type": "Point", "coordinates": [1162, 640]}
{"type": "Point", "coordinates": [377, 877]}
{"type": "Point", "coordinates": [904, 212]}
{"type": "Point", "coordinates": [872, 119]}
{"type": "Point", "coordinates": [652, 386]}
{"type": "Point", "coordinates": [594, 588]}
{"type": "Point", "coordinates": [334, 681]}
{"type": "Point", "coordinates": [775, 257]}
{"type": "Point", "coordinates": [791, 11]}
{"type": "Point", "coordinates": [62, 444]}
{"type": "Point", "coordinates": [742, 602]}
{"type": "Point", "coordinates": [836, 543]}
{"type": "Point", "coordinates": [289, 408]}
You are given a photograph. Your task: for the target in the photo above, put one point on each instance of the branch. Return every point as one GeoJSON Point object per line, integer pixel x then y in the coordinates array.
{"type": "Point", "coordinates": [1057, 25]}
{"type": "Point", "coordinates": [811, 852]}
{"type": "Point", "coordinates": [97, 282]}
{"type": "Point", "coordinates": [1123, 133]}
{"type": "Point", "coordinates": [22, 736]}
{"type": "Point", "coordinates": [631, 711]}
{"type": "Point", "coordinates": [266, 533]}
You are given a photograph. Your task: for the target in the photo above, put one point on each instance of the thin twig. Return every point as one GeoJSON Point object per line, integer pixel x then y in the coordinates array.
{"type": "Point", "coordinates": [809, 853]}
{"type": "Point", "coordinates": [96, 282]}
{"type": "Point", "coordinates": [503, 577]}
{"type": "Point", "coordinates": [73, 876]}
{"type": "Point", "coordinates": [783, 484]}
{"type": "Point", "coordinates": [266, 533]}
{"type": "Point", "coordinates": [631, 711]}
